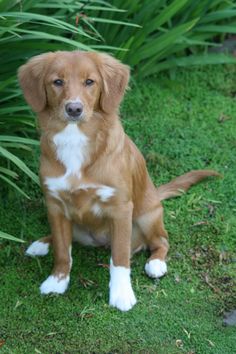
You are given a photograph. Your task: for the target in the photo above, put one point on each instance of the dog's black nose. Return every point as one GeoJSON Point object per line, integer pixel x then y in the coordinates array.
{"type": "Point", "coordinates": [74, 109]}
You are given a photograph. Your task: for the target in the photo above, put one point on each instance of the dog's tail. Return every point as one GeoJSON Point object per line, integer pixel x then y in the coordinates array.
{"type": "Point", "coordinates": [182, 183]}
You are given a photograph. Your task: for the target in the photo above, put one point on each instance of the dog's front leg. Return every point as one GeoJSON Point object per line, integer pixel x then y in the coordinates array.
{"type": "Point", "coordinates": [121, 292]}
{"type": "Point", "coordinates": [61, 229]}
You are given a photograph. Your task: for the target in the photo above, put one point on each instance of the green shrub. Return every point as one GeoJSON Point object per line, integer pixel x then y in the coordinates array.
{"type": "Point", "coordinates": [172, 33]}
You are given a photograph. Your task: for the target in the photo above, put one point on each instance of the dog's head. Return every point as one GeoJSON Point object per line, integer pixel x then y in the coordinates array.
{"type": "Point", "coordinates": [73, 85]}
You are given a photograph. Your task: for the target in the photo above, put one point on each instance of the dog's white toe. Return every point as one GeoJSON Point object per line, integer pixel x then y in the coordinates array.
{"type": "Point", "coordinates": [37, 248]}
{"type": "Point", "coordinates": [122, 298]}
{"type": "Point", "coordinates": [121, 292]}
{"type": "Point", "coordinates": [156, 268]}
{"type": "Point", "coordinates": [54, 284]}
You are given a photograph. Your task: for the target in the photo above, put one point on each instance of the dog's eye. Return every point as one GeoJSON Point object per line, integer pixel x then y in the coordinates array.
{"type": "Point", "coordinates": [58, 82]}
{"type": "Point", "coordinates": [89, 82]}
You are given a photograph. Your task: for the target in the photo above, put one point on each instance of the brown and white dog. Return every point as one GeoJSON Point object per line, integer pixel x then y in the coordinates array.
{"type": "Point", "coordinates": [94, 178]}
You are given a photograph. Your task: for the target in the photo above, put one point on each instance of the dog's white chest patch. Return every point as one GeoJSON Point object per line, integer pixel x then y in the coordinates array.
{"type": "Point", "coordinates": [72, 151]}
{"type": "Point", "coordinates": [71, 148]}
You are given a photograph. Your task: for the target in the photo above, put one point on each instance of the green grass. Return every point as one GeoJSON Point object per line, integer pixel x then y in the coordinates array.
{"type": "Point", "coordinates": [180, 124]}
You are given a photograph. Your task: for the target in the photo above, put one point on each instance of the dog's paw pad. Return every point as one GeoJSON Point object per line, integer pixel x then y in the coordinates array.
{"type": "Point", "coordinates": [37, 248]}
{"type": "Point", "coordinates": [156, 268]}
{"type": "Point", "coordinates": [54, 284]}
{"type": "Point", "coordinates": [122, 298]}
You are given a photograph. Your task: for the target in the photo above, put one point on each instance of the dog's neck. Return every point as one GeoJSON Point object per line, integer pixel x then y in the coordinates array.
{"type": "Point", "coordinates": [92, 139]}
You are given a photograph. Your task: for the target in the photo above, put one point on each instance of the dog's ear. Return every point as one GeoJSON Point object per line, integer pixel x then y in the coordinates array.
{"type": "Point", "coordinates": [115, 77]}
{"type": "Point", "coordinates": [31, 79]}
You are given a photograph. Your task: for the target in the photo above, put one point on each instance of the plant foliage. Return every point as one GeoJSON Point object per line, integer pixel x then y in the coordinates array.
{"type": "Point", "coordinates": [150, 36]}
{"type": "Point", "coordinates": [172, 33]}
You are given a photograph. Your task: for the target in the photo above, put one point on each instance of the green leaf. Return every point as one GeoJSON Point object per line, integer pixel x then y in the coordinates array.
{"type": "Point", "coordinates": [19, 163]}
{"type": "Point", "coordinates": [217, 29]}
{"type": "Point", "coordinates": [219, 15]}
{"type": "Point", "coordinates": [29, 35]}
{"type": "Point", "coordinates": [160, 43]}
{"type": "Point", "coordinates": [166, 14]}
{"type": "Point", "coordinates": [14, 185]}
{"type": "Point", "coordinates": [77, 7]}
{"type": "Point", "coordinates": [18, 139]}
{"type": "Point", "coordinates": [9, 237]}
{"type": "Point", "coordinates": [201, 59]}
{"type": "Point", "coordinates": [106, 20]}
{"type": "Point", "coordinates": [8, 172]}
{"type": "Point", "coordinates": [28, 16]}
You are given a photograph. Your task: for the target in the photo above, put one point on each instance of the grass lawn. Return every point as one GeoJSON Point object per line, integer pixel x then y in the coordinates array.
{"type": "Point", "coordinates": [185, 123]}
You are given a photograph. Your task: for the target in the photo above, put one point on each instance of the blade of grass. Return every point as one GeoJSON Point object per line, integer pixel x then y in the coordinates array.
{"type": "Point", "coordinates": [18, 139]}
{"type": "Point", "coordinates": [8, 172]}
{"type": "Point", "coordinates": [218, 15]}
{"type": "Point", "coordinates": [165, 15]}
{"type": "Point", "coordinates": [217, 29]}
{"type": "Point", "coordinates": [163, 41]}
{"type": "Point", "coordinates": [37, 35]}
{"type": "Point", "coordinates": [105, 20]}
{"type": "Point", "coordinates": [14, 185]}
{"type": "Point", "coordinates": [201, 59]}
{"type": "Point", "coordinates": [9, 237]}
{"type": "Point", "coordinates": [19, 163]}
{"type": "Point", "coordinates": [77, 7]}
{"type": "Point", "coordinates": [28, 16]}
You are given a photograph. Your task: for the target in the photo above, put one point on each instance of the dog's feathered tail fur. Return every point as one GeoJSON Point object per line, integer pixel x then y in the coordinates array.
{"type": "Point", "coordinates": [181, 184]}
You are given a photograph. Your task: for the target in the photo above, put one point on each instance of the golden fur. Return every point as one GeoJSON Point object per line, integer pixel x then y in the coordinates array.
{"type": "Point", "coordinates": [131, 217]}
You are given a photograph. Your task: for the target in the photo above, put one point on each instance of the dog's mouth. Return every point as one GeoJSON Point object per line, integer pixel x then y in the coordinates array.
{"type": "Point", "coordinates": [73, 119]}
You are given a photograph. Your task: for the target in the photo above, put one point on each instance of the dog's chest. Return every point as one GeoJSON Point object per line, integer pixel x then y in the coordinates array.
{"type": "Point", "coordinates": [78, 198]}
{"type": "Point", "coordinates": [72, 149]}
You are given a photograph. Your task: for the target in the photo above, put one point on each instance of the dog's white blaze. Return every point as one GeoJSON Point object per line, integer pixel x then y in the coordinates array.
{"type": "Point", "coordinates": [55, 284]}
{"type": "Point", "coordinates": [121, 292]}
{"type": "Point", "coordinates": [156, 268]}
{"type": "Point", "coordinates": [105, 193]}
{"type": "Point", "coordinates": [37, 248]}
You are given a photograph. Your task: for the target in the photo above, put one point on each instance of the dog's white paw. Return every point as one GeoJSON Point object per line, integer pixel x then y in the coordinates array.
{"type": "Point", "coordinates": [156, 268]}
{"type": "Point", "coordinates": [121, 292]}
{"type": "Point", "coordinates": [54, 284]}
{"type": "Point", "coordinates": [122, 298]}
{"type": "Point", "coordinates": [37, 248]}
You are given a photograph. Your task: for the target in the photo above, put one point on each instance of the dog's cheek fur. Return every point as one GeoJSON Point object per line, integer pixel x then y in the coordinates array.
{"type": "Point", "coordinates": [115, 78]}
{"type": "Point", "coordinates": [31, 79]}
{"type": "Point", "coordinates": [91, 101]}
{"type": "Point", "coordinates": [55, 99]}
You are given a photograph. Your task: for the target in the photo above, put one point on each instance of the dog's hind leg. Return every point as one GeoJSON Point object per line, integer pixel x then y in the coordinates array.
{"type": "Point", "coordinates": [39, 247]}
{"type": "Point", "coordinates": [156, 238]}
